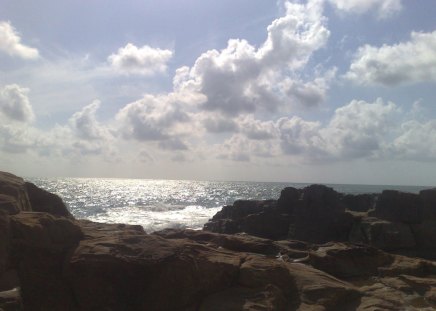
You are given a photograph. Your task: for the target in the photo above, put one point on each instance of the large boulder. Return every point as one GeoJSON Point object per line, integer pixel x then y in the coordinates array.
{"type": "Point", "coordinates": [40, 245]}
{"type": "Point", "coordinates": [320, 216]}
{"type": "Point", "coordinates": [428, 197]}
{"type": "Point", "coordinates": [399, 206]}
{"type": "Point", "coordinates": [13, 194]}
{"type": "Point", "coordinates": [383, 234]}
{"type": "Point", "coordinates": [44, 201]}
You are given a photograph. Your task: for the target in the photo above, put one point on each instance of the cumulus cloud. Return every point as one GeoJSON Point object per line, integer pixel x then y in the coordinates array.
{"type": "Point", "coordinates": [356, 130]}
{"type": "Point", "coordinates": [141, 61]}
{"type": "Point", "coordinates": [85, 124]}
{"type": "Point", "coordinates": [384, 8]}
{"type": "Point", "coordinates": [359, 129]}
{"type": "Point", "coordinates": [243, 79]}
{"type": "Point", "coordinates": [407, 62]}
{"type": "Point", "coordinates": [10, 43]}
{"type": "Point", "coordinates": [153, 118]}
{"type": "Point", "coordinates": [15, 104]}
{"type": "Point", "coordinates": [417, 141]}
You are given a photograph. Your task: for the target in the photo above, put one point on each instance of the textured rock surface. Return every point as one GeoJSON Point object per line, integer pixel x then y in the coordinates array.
{"type": "Point", "coordinates": [13, 193]}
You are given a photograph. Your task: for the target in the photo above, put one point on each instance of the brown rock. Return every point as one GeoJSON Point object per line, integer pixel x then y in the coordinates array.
{"type": "Point", "coordinates": [44, 201]}
{"type": "Point", "coordinates": [138, 272]}
{"type": "Point", "coordinates": [346, 260]}
{"type": "Point", "coordinates": [13, 190]}
{"type": "Point", "coordinates": [40, 245]}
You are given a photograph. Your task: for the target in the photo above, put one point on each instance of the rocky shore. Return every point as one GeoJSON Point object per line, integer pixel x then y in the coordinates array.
{"type": "Point", "coordinates": [312, 249]}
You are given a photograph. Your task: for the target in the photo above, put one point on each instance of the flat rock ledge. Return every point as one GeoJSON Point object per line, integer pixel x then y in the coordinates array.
{"type": "Point", "coordinates": [50, 261]}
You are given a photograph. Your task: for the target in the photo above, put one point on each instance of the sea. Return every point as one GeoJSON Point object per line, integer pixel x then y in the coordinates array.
{"type": "Point", "coordinates": [160, 204]}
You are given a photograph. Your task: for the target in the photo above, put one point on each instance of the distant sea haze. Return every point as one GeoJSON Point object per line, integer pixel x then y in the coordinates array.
{"type": "Point", "coordinates": [160, 204]}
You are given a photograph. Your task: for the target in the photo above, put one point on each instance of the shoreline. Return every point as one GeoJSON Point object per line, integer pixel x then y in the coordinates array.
{"type": "Point", "coordinates": [279, 257]}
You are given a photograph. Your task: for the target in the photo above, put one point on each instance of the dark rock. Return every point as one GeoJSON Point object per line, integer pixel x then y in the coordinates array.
{"type": "Point", "coordinates": [320, 216]}
{"type": "Point", "coordinates": [321, 199]}
{"type": "Point", "coordinates": [4, 241]}
{"type": "Point", "coordinates": [44, 201]}
{"type": "Point", "coordinates": [288, 199]}
{"type": "Point", "coordinates": [359, 202]}
{"type": "Point", "coordinates": [383, 234]}
{"type": "Point", "coordinates": [428, 197]}
{"type": "Point", "coordinates": [40, 244]}
{"type": "Point", "coordinates": [268, 224]}
{"type": "Point", "coordinates": [14, 194]}
{"type": "Point", "coordinates": [9, 204]}
{"type": "Point", "coordinates": [344, 260]}
{"type": "Point", "coordinates": [399, 207]}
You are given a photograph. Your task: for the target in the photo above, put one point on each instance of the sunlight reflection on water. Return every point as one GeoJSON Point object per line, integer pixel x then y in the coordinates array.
{"type": "Point", "coordinates": [159, 204]}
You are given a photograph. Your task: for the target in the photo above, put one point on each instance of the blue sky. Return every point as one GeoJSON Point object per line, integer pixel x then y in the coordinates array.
{"type": "Point", "coordinates": [307, 91]}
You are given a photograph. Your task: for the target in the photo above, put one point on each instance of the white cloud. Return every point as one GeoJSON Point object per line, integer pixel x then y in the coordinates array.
{"type": "Point", "coordinates": [153, 118]}
{"type": "Point", "coordinates": [408, 62]}
{"type": "Point", "coordinates": [359, 129]}
{"type": "Point", "coordinates": [417, 141]}
{"type": "Point", "coordinates": [10, 43]}
{"type": "Point", "coordinates": [384, 8]}
{"type": "Point", "coordinates": [85, 124]}
{"type": "Point", "coordinates": [15, 104]}
{"type": "Point", "coordinates": [141, 61]}
{"type": "Point", "coordinates": [243, 79]}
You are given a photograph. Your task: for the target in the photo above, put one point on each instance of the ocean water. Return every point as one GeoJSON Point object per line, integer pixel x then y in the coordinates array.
{"type": "Point", "coordinates": [160, 204]}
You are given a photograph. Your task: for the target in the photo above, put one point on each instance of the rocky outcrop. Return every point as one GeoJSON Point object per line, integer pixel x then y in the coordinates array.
{"type": "Point", "coordinates": [403, 223]}
{"type": "Point", "coordinates": [44, 201]}
{"type": "Point", "coordinates": [53, 262]}
{"type": "Point", "coordinates": [120, 267]}
{"type": "Point", "coordinates": [399, 207]}
{"type": "Point", "coordinates": [13, 194]}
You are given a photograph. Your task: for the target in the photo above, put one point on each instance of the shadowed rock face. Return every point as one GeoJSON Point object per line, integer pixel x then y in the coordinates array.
{"type": "Point", "coordinates": [399, 207]}
{"type": "Point", "coordinates": [44, 201]}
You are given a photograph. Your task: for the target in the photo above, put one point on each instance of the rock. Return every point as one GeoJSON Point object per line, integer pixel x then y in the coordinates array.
{"type": "Point", "coordinates": [239, 298]}
{"type": "Point", "coordinates": [268, 224]}
{"type": "Point", "coordinates": [9, 204]}
{"type": "Point", "coordinates": [398, 206]}
{"type": "Point", "coordinates": [13, 193]}
{"type": "Point", "coordinates": [131, 271]}
{"type": "Point", "coordinates": [382, 234]}
{"type": "Point", "coordinates": [44, 201]}
{"type": "Point", "coordinates": [11, 300]}
{"type": "Point", "coordinates": [288, 199]}
{"type": "Point", "coordinates": [40, 245]}
{"type": "Point", "coordinates": [428, 197]}
{"type": "Point", "coordinates": [4, 241]}
{"type": "Point", "coordinates": [344, 260]}
{"type": "Point", "coordinates": [359, 202]}
{"type": "Point", "coordinates": [230, 218]}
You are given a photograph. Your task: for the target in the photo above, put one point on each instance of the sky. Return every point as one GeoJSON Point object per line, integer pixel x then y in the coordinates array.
{"type": "Point", "coordinates": [328, 91]}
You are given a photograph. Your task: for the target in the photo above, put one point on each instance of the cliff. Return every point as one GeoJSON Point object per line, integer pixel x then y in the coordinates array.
{"type": "Point", "coordinates": [51, 261]}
